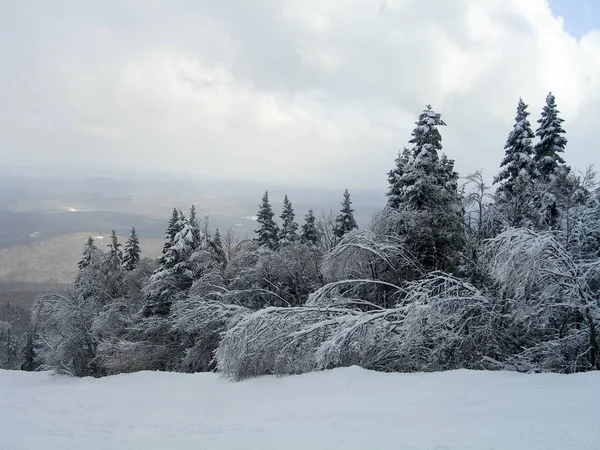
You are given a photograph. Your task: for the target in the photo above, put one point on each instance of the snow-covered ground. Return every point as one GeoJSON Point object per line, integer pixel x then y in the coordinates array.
{"type": "Point", "coordinates": [346, 408]}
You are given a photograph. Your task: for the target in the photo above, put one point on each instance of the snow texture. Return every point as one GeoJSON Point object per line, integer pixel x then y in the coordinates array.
{"type": "Point", "coordinates": [347, 408]}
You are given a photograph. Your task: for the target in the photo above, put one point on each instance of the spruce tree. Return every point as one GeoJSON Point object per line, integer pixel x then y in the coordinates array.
{"type": "Point", "coordinates": [551, 141]}
{"type": "Point", "coordinates": [115, 255]}
{"type": "Point", "coordinates": [424, 186]}
{"type": "Point", "coordinates": [217, 245]}
{"type": "Point", "coordinates": [310, 234]}
{"type": "Point", "coordinates": [421, 180]}
{"type": "Point", "coordinates": [289, 228]}
{"type": "Point", "coordinates": [172, 229]}
{"type": "Point", "coordinates": [394, 193]}
{"type": "Point", "coordinates": [345, 222]}
{"type": "Point", "coordinates": [194, 226]}
{"type": "Point", "coordinates": [132, 251]}
{"type": "Point", "coordinates": [515, 194]}
{"type": "Point", "coordinates": [176, 272]}
{"type": "Point", "coordinates": [268, 230]}
{"type": "Point", "coordinates": [217, 239]}
{"type": "Point", "coordinates": [88, 252]}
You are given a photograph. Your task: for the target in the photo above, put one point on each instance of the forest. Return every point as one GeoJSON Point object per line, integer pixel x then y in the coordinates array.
{"type": "Point", "coordinates": [452, 273]}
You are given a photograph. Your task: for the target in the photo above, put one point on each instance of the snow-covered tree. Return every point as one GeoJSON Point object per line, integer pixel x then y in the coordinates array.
{"type": "Point", "coordinates": [552, 298]}
{"type": "Point", "coordinates": [172, 230]}
{"type": "Point", "coordinates": [268, 232]}
{"type": "Point", "coordinates": [551, 140]}
{"type": "Point", "coordinates": [515, 193]}
{"type": "Point", "coordinates": [424, 190]}
{"type": "Point", "coordinates": [345, 222]}
{"type": "Point", "coordinates": [115, 255]}
{"type": "Point", "coordinates": [395, 190]}
{"type": "Point", "coordinates": [310, 234]}
{"type": "Point", "coordinates": [289, 228]}
{"type": "Point", "coordinates": [174, 274]}
{"type": "Point", "coordinates": [88, 251]}
{"type": "Point", "coordinates": [556, 183]}
{"type": "Point", "coordinates": [131, 256]}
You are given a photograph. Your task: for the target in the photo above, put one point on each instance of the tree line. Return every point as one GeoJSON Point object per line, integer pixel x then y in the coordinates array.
{"type": "Point", "coordinates": [449, 274]}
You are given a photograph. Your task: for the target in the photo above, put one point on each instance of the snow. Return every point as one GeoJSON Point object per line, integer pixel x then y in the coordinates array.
{"type": "Point", "coordinates": [347, 408]}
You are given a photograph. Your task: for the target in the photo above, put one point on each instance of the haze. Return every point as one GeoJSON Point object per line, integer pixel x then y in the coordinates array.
{"type": "Point", "coordinates": [295, 91]}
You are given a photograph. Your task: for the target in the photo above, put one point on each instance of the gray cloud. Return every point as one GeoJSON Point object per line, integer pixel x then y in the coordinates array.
{"type": "Point", "coordinates": [299, 91]}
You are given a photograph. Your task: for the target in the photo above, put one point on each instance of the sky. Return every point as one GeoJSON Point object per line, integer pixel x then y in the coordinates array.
{"type": "Point", "coordinates": [306, 92]}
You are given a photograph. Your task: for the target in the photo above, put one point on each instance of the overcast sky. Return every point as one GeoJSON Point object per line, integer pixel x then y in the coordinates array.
{"type": "Point", "coordinates": [310, 92]}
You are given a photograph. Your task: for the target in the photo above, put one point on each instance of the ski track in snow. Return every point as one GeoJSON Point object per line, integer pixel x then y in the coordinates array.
{"type": "Point", "coordinates": [348, 408]}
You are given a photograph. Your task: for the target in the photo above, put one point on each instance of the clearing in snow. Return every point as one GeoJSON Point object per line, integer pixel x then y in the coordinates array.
{"type": "Point", "coordinates": [347, 408]}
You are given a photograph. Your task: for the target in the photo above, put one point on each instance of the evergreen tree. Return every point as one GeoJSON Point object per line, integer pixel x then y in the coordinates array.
{"type": "Point", "coordinates": [132, 251]}
{"type": "Point", "coordinates": [194, 226]}
{"type": "Point", "coordinates": [217, 239]}
{"type": "Point", "coordinates": [115, 255]}
{"type": "Point", "coordinates": [345, 221]}
{"type": "Point", "coordinates": [217, 245]}
{"type": "Point", "coordinates": [424, 187]}
{"type": "Point", "coordinates": [515, 194]}
{"type": "Point", "coordinates": [88, 251]}
{"type": "Point", "coordinates": [268, 230]}
{"type": "Point", "coordinates": [555, 186]}
{"type": "Point", "coordinates": [552, 142]}
{"type": "Point", "coordinates": [310, 235]}
{"type": "Point", "coordinates": [177, 270]}
{"type": "Point", "coordinates": [423, 177]}
{"type": "Point", "coordinates": [394, 193]}
{"type": "Point", "coordinates": [289, 228]}
{"type": "Point", "coordinates": [172, 229]}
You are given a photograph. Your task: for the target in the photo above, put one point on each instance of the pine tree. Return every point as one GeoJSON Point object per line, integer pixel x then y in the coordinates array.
{"type": "Point", "coordinates": [394, 193]}
{"type": "Point", "coordinates": [515, 194]}
{"type": "Point", "coordinates": [115, 255]}
{"type": "Point", "coordinates": [289, 228]}
{"type": "Point", "coordinates": [345, 222]}
{"type": "Point", "coordinates": [132, 251]}
{"type": "Point", "coordinates": [268, 231]}
{"type": "Point", "coordinates": [88, 252]}
{"type": "Point", "coordinates": [217, 245]}
{"type": "Point", "coordinates": [310, 235]}
{"type": "Point", "coordinates": [552, 142]}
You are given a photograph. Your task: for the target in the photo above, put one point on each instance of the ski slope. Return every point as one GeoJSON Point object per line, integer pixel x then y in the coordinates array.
{"type": "Point", "coordinates": [347, 408]}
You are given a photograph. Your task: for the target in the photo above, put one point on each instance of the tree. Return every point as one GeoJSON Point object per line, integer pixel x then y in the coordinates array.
{"type": "Point", "coordinates": [394, 193]}
{"type": "Point", "coordinates": [289, 228]}
{"type": "Point", "coordinates": [515, 191]}
{"type": "Point", "coordinates": [345, 221]}
{"type": "Point", "coordinates": [310, 235]}
{"type": "Point", "coordinates": [88, 251]}
{"type": "Point", "coordinates": [115, 255]}
{"type": "Point", "coordinates": [423, 177]}
{"type": "Point", "coordinates": [172, 229]}
{"type": "Point", "coordinates": [424, 193]}
{"type": "Point", "coordinates": [217, 245]}
{"type": "Point", "coordinates": [132, 252]}
{"type": "Point", "coordinates": [552, 142]}
{"type": "Point", "coordinates": [268, 231]}
{"type": "Point", "coordinates": [478, 202]}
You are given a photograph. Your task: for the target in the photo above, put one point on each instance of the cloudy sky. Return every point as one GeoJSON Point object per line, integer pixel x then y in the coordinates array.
{"type": "Point", "coordinates": [311, 92]}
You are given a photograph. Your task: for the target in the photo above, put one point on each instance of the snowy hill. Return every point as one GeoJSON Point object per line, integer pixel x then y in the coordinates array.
{"type": "Point", "coordinates": [346, 408]}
